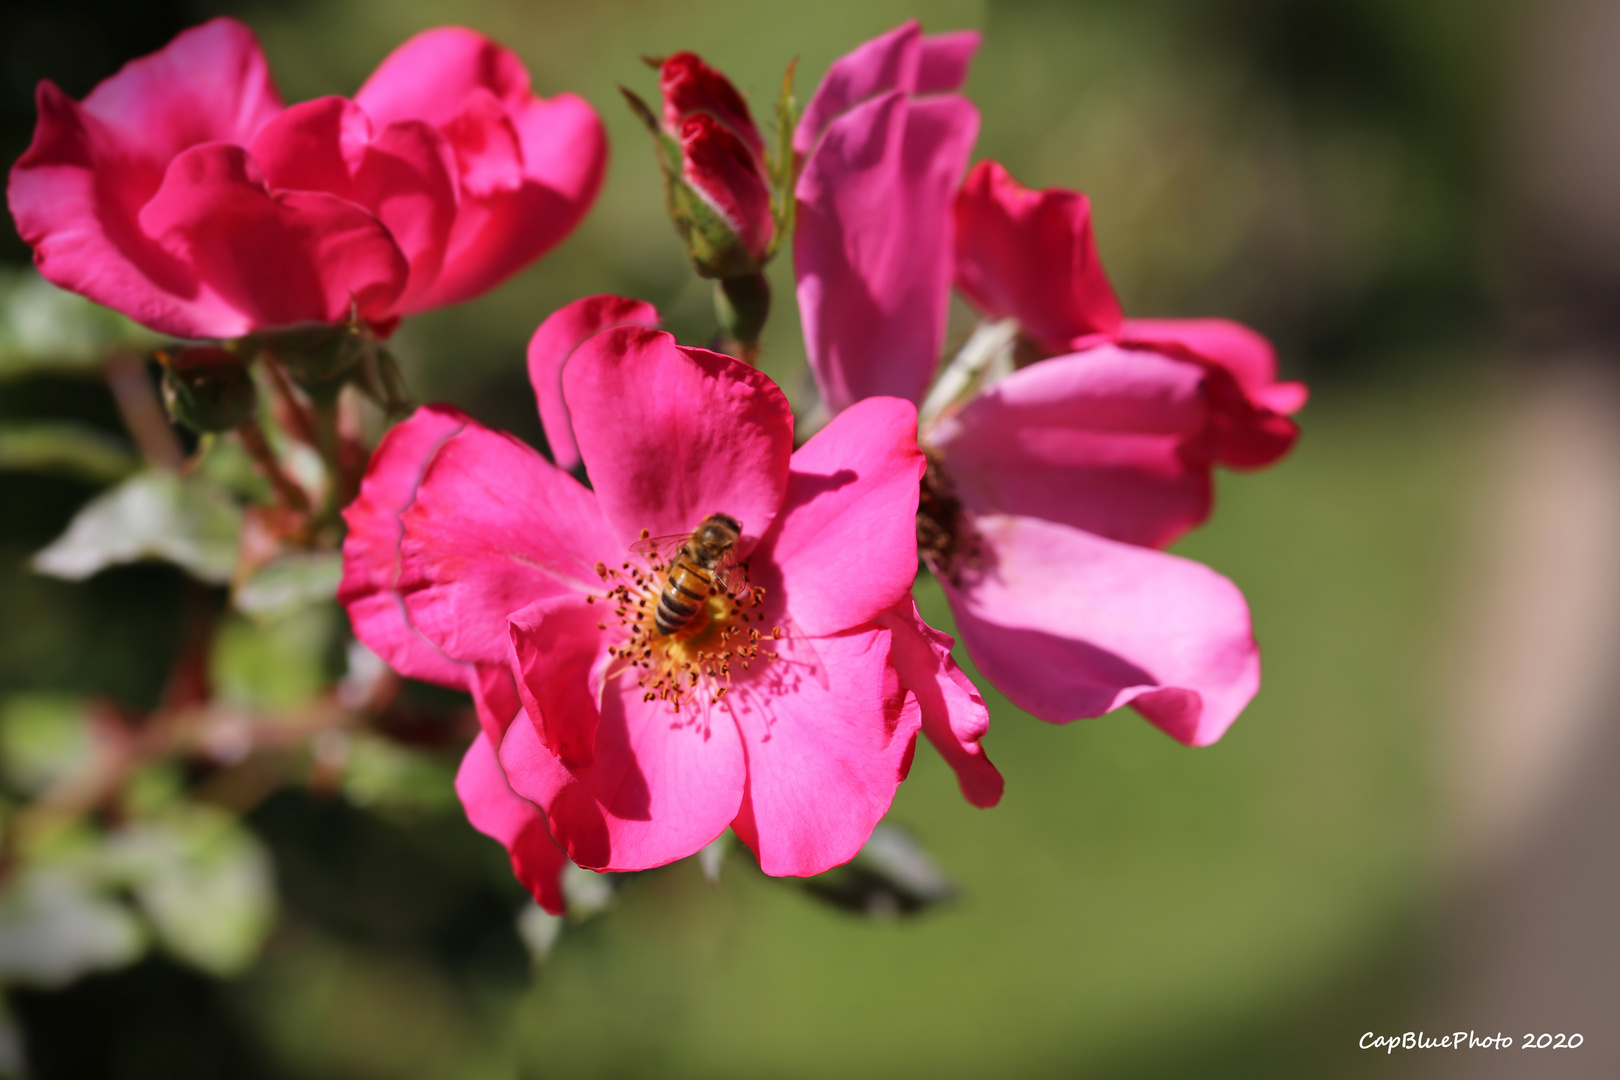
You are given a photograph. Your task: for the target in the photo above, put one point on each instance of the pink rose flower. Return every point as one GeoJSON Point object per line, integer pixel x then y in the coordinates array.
{"type": "Point", "coordinates": [885, 140]}
{"type": "Point", "coordinates": [183, 194]}
{"type": "Point", "coordinates": [1046, 491]}
{"type": "Point", "coordinates": [642, 746]}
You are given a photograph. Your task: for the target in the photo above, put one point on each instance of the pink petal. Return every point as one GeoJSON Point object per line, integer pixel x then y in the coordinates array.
{"type": "Point", "coordinates": [564, 160]}
{"type": "Point", "coordinates": [278, 257]}
{"type": "Point", "coordinates": [872, 248]}
{"type": "Point", "coordinates": [1071, 625]}
{"type": "Point", "coordinates": [845, 545]}
{"type": "Point", "coordinates": [555, 341]}
{"type": "Point", "coordinates": [210, 84]}
{"type": "Point", "coordinates": [1251, 410]}
{"type": "Point", "coordinates": [901, 59]}
{"type": "Point", "coordinates": [498, 812]}
{"type": "Point", "coordinates": [431, 76]}
{"type": "Point", "coordinates": [945, 60]}
{"type": "Point", "coordinates": [495, 695]}
{"type": "Point", "coordinates": [660, 786]}
{"type": "Point", "coordinates": [494, 527]}
{"type": "Point", "coordinates": [560, 652]}
{"type": "Point", "coordinates": [371, 558]}
{"type": "Point", "coordinates": [1106, 440]}
{"type": "Point", "coordinates": [76, 195]}
{"type": "Point", "coordinates": [954, 716]}
{"type": "Point", "coordinates": [489, 154]}
{"type": "Point", "coordinates": [671, 435]}
{"type": "Point", "coordinates": [1030, 255]}
{"type": "Point", "coordinates": [824, 762]}
{"type": "Point", "coordinates": [403, 174]}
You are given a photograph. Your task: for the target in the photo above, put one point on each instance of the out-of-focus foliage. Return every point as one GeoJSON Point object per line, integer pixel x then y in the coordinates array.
{"type": "Point", "coordinates": [186, 520]}
{"type": "Point", "coordinates": [43, 329]}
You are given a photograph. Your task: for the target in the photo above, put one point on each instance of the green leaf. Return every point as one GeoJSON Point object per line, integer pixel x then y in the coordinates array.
{"type": "Point", "coordinates": [43, 739]}
{"type": "Point", "coordinates": [43, 328]}
{"type": "Point", "coordinates": [56, 926]}
{"type": "Point", "coordinates": [203, 882]}
{"type": "Point", "coordinates": [274, 665]}
{"type": "Point", "coordinates": [289, 584]}
{"type": "Point", "coordinates": [189, 521]}
{"type": "Point", "coordinates": [784, 164]}
{"type": "Point", "coordinates": [74, 450]}
{"type": "Point", "coordinates": [387, 777]}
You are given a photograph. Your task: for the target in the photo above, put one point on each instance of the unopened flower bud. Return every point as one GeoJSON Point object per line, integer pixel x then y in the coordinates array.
{"type": "Point", "coordinates": [207, 387]}
{"type": "Point", "coordinates": [320, 358]}
{"type": "Point", "coordinates": [689, 85]}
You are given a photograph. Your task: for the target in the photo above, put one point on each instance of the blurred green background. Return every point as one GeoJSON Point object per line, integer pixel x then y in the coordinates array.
{"type": "Point", "coordinates": [1322, 169]}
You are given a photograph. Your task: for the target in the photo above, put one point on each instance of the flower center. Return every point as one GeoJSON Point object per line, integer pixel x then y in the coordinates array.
{"type": "Point", "coordinates": [945, 540]}
{"type": "Point", "coordinates": [702, 657]}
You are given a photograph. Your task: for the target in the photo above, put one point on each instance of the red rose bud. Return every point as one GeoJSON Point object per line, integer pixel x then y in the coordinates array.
{"type": "Point", "coordinates": [720, 169]}
{"type": "Point", "coordinates": [691, 86]}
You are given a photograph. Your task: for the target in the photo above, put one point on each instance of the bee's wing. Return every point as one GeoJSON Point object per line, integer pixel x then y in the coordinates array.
{"type": "Point", "coordinates": [728, 573]}
{"type": "Point", "coordinates": [660, 547]}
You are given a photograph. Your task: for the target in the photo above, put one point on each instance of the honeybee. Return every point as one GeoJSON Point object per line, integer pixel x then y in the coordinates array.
{"type": "Point", "coordinates": [701, 562]}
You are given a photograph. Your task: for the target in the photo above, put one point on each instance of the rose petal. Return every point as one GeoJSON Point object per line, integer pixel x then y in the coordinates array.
{"type": "Point", "coordinates": [901, 59]}
{"type": "Point", "coordinates": [719, 166]}
{"type": "Point", "coordinates": [954, 716]}
{"type": "Point", "coordinates": [210, 84]}
{"type": "Point", "coordinates": [278, 257]}
{"type": "Point", "coordinates": [660, 787]}
{"type": "Point", "coordinates": [689, 85]}
{"type": "Point", "coordinates": [560, 652]}
{"type": "Point", "coordinates": [844, 549]}
{"type": "Point", "coordinates": [404, 174]}
{"type": "Point", "coordinates": [555, 341]}
{"type": "Point", "coordinates": [824, 762]}
{"type": "Point", "coordinates": [1107, 440]}
{"type": "Point", "coordinates": [671, 435]}
{"type": "Point", "coordinates": [872, 247]}
{"type": "Point", "coordinates": [494, 527]}
{"type": "Point", "coordinates": [498, 812]}
{"type": "Point", "coordinates": [495, 695]}
{"type": "Point", "coordinates": [1030, 255]}
{"type": "Point", "coordinates": [1071, 625]}
{"type": "Point", "coordinates": [76, 195]}
{"type": "Point", "coordinates": [371, 557]}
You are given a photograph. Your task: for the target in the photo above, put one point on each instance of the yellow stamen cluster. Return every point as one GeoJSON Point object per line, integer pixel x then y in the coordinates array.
{"type": "Point", "coordinates": [699, 656]}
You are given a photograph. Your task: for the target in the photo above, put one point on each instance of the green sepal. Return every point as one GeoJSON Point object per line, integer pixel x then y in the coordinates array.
{"type": "Point", "coordinates": [783, 166]}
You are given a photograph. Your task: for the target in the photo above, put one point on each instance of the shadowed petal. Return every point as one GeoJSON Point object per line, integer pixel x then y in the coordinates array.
{"type": "Point", "coordinates": [659, 788]}
{"type": "Point", "coordinates": [1069, 625]}
{"type": "Point", "coordinates": [560, 653]}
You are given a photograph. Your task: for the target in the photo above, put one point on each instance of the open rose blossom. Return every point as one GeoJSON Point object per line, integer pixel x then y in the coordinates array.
{"type": "Point", "coordinates": [786, 709]}
{"type": "Point", "coordinates": [183, 194]}
{"type": "Point", "coordinates": [1047, 491]}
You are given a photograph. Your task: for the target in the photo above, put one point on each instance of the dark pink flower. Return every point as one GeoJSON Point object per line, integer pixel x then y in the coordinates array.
{"type": "Point", "coordinates": [370, 593]}
{"type": "Point", "coordinates": [497, 564]}
{"type": "Point", "coordinates": [885, 140]}
{"type": "Point", "coordinates": [183, 194]}
{"type": "Point", "coordinates": [688, 85]}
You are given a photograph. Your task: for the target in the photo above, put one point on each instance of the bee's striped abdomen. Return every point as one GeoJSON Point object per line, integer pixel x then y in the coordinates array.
{"type": "Point", "coordinates": [687, 587]}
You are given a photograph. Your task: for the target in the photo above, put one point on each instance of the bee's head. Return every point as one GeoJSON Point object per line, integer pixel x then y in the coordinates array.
{"type": "Point", "coordinates": [719, 530]}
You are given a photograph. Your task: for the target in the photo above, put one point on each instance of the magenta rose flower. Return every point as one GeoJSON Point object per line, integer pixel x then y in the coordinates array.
{"type": "Point", "coordinates": [787, 709]}
{"type": "Point", "coordinates": [1047, 489]}
{"type": "Point", "coordinates": [181, 193]}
